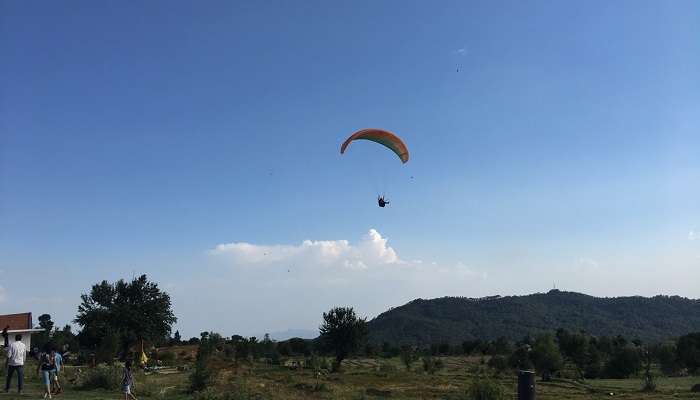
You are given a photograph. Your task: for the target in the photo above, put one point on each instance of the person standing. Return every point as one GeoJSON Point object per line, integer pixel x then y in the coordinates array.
{"type": "Point", "coordinates": [128, 381]}
{"type": "Point", "coordinates": [16, 354]}
{"type": "Point", "coordinates": [57, 361]}
{"type": "Point", "coordinates": [45, 368]}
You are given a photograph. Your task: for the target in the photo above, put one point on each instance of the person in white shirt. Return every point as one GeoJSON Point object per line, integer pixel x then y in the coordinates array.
{"type": "Point", "coordinates": [16, 354]}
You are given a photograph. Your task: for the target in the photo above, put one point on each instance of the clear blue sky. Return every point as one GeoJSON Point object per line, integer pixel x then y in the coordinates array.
{"type": "Point", "coordinates": [135, 137]}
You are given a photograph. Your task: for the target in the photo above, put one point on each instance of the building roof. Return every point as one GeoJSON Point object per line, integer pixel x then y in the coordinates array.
{"type": "Point", "coordinates": [16, 321]}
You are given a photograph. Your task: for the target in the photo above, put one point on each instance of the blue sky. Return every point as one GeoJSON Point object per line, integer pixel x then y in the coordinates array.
{"type": "Point", "coordinates": [135, 138]}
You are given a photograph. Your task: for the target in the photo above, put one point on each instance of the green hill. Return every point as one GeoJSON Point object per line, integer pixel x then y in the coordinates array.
{"type": "Point", "coordinates": [455, 319]}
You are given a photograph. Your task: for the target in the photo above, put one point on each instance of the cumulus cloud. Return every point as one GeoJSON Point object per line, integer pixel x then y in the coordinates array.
{"type": "Point", "coordinates": [295, 283]}
{"type": "Point", "coordinates": [371, 250]}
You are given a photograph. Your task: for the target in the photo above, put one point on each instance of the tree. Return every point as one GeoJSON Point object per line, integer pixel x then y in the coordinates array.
{"type": "Point", "coordinates": [133, 311]}
{"type": "Point", "coordinates": [520, 359]}
{"type": "Point", "coordinates": [575, 348]}
{"type": "Point", "coordinates": [593, 364]}
{"type": "Point", "coordinates": [667, 358]}
{"type": "Point", "coordinates": [177, 338]}
{"type": "Point", "coordinates": [202, 374]}
{"type": "Point", "coordinates": [342, 332]}
{"type": "Point", "coordinates": [688, 350]}
{"type": "Point", "coordinates": [408, 356]}
{"type": "Point", "coordinates": [45, 322]}
{"type": "Point", "coordinates": [64, 339]}
{"type": "Point", "coordinates": [624, 362]}
{"type": "Point", "coordinates": [43, 339]}
{"type": "Point", "coordinates": [546, 356]}
{"type": "Point", "coordinates": [469, 346]}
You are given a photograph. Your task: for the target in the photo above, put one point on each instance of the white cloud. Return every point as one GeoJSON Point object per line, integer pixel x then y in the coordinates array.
{"type": "Point", "coordinates": [692, 235]}
{"type": "Point", "coordinates": [371, 250]}
{"type": "Point", "coordinates": [295, 283]}
{"type": "Point", "coordinates": [587, 265]}
{"type": "Point", "coordinates": [462, 51]}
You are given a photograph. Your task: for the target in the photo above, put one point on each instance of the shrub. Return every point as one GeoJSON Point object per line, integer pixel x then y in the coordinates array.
{"type": "Point", "coordinates": [167, 357]}
{"type": "Point", "coordinates": [484, 389]}
{"type": "Point", "coordinates": [499, 364]}
{"type": "Point", "coordinates": [431, 364]}
{"type": "Point", "coordinates": [201, 376]}
{"type": "Point", "coordinates": [408, 356]}
{"type": "Point", "coordinates": [101, 377]}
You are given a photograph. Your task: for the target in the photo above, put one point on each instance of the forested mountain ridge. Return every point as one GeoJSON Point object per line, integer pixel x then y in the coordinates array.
{"type": "Point", "coordinates": [455, 319]}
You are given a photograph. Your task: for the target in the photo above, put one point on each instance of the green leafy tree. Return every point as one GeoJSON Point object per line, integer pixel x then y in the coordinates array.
{"type": "Point", "coordinates": [470, 346]}
{"type": "Point", "coordinates": [546, 356]}
{"type": "Point", "coordinates": [624, 362]}
{"type": "Point", "coordinates": [574, 347]}
{"type": "Point", "coordinates": [64, 339]}
{"type": "Point", "coordinates": [43, 338]}
{"type": "Point", "coordinates": [520, 359]}
{"type": "Point", "coordinates": [201, 375]}
{"type": "Point", "coordinates": [342, 332]}
{"type": "Point", "coordinates": [666, 355]}
{"type": "Point", "coordinates": [593, 366]}
{"type": "Point", "coordinates": [133, 311]}
{"type": "Point", "coordinates": [688, 350]}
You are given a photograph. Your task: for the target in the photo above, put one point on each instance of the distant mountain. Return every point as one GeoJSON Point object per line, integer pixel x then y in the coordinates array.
{"type": "Point", "coordinates": [455, 319]}
{"type": "Point", "coordinates": [294, 333]}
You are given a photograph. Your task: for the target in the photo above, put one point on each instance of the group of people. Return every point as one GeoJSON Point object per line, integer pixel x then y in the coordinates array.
{"type": "Point", "coordinates": [49, 367]}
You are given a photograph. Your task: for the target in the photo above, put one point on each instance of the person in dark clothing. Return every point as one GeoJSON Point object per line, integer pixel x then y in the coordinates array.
{"type": "Point", "coordinates": [382, 202]}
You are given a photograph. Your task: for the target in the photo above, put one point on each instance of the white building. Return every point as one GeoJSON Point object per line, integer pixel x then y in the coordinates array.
{"type": "Point", "coordinates": [19, 324]}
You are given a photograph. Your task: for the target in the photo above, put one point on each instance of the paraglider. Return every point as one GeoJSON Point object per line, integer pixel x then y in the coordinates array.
{"type": "Point", "coordinates": [385, 138]}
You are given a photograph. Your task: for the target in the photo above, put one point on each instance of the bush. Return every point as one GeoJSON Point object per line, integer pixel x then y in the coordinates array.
{"type": "Point", "coordinates": [499, 364]}
{"type": "Point", "coordinates": [101, 377]}
{"type": "Point", "coordinates": [408, 356]}
{"type": "Point", "coordinates": [432, 364]}
{"type": "Point", "coordinates": [202, 375]}
{"type": "Point", "coordinates": [483, 389]}
{"type": "Point", "coordinates": [167, 357]}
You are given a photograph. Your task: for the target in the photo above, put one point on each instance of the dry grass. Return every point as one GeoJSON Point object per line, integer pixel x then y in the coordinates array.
{"type": "Point", "coordinates": [362, 379]}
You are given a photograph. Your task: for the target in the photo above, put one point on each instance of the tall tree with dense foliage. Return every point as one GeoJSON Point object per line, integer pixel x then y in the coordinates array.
{"type": "Point", "coordinates": [688, 349]}
{"type": "Point", "coordinates": [546, 356]}
{"type": "Point", "coordinates": [133, 311]}
{"type": "Point", "coordinates": [574, 346]}
{"type": "Point", "coordinates": [342, 332]}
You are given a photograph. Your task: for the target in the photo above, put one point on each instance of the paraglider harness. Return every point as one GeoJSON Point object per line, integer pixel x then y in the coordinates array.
{"type": "Point", "coordinates": [381, 201]}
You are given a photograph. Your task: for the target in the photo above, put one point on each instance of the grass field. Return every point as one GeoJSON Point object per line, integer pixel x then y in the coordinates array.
{"type": "Point", "coordinates": [360, 379]}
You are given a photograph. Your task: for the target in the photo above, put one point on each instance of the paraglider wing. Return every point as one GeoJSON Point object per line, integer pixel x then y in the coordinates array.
{"type": "Point", "coordinates": [386, 138]}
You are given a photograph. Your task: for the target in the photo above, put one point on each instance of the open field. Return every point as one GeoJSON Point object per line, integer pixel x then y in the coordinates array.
{"type": "Point", "coordinates": [361, 379]}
